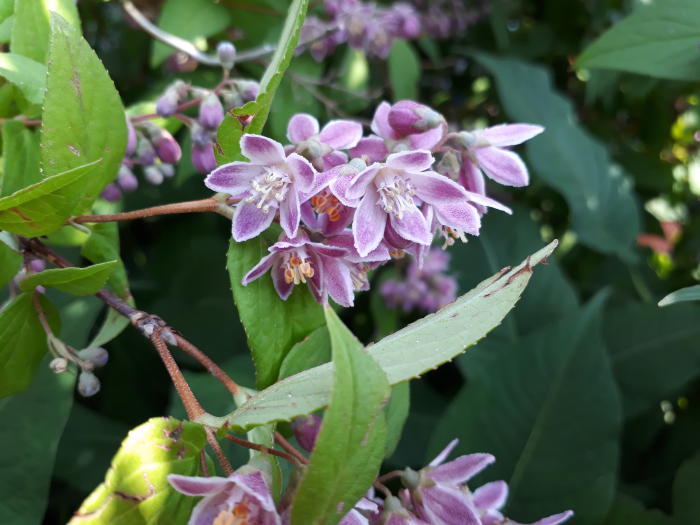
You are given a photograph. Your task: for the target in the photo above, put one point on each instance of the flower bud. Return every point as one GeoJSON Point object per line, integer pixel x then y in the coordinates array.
{"type": "Point", "coordinates": [168, 102]}
{"type": "Point", "coordinates": [168, 170]}
{"type": "Point", "coordinates": [88, 384]}
{"type": "Point", "coordinates": [126, 179]}
{"type": "Point", "coordinates": [131, 138]}
{"type": "Point", "coordinates": [58, 365]}
{"type": "Point", "coordinates": [37, 265]}
{"type": "Point", "coordinates": [153, 175]}
{"type": "Point", "coordinates": [226, 52]}
{"type": "Point", "coordinates": [98, 356]}
{"type": "Point", "coordinates": [167, 148]}
{"type": "Point", "coordinates": [306, 430]}
{"type": "Point", "coordinates": [145, 152]}
{"type": "Point", "coordinates": [211, 112]}
{"type": "Point", "coordinates": [203, 158]}
{"type": "Point", "coordinates": [231, 99]}
{"type": "Point", "coordinates": [248, 89]}
{"type": "Point", "coordinates": [407, 117]}
{"type": "Point", "coordinates": [111, 193]}
{"type": "Point", "coordinates": [201, 136]}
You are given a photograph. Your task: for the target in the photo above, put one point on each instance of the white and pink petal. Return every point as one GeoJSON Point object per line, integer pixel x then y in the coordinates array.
{"type": "Point", "coordinates": [262, 150]}
{"type": "Point", "coordinates": [301, 127]}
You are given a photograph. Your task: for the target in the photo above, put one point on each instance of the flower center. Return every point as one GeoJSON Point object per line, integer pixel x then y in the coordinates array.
{"type": "Point", "coordinates": [237, 516]}
{"type": "Point", "coordinates": [269, 189]}
{"type": "Point", "coordinates": [395, 195]}
{"type": "Point", "coordinates": [450, 235]}
{"type": "Point", "coordinates": [358, 275]}
{"type": "Point", "coordinates": [297, 269]}
{"type": "Point", "coordinates": [325, 202]}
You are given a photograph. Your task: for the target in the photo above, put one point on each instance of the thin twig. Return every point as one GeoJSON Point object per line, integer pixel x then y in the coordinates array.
{"type": "Point", "coordinates": [198, 206]}
{"type": "Point", "coordinates": [207, 363]}
{"type": "Point", "coordinates": [262, 448]}
{"type": "Point", "coordinates": [218, 452]}
{"type": "Point", "coordinates": [383, 488]}
{"type": "Point", "coordinates": [389, 475]}
{"type": "Point", "coordinates": [286, 445]}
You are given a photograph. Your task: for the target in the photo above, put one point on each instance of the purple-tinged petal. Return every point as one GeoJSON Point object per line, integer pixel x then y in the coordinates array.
{"type": "Point", "coordinates": [360, 182]}
{"type": "Point", "coordinates": [412, 226]}
{"type": "Point", "coordinates": [339, 187]}
{"type": "Point", "coordinates": [308, 216]}
{"type": "Point", "coordinates": [282, 287]}
{"type": "Point", "coordinates": [316, 283]}
{"type": "Point", "coordinates": [345, 240]}
{"type": "Point", "coordinates": [393, 239]}
{"type": "Point", "coordinates": [445, 505]}
{"type": "Point", "coordinates": [328, 250]}
{"type": "Point", "coordinates": [380, 122]}
{"type": "Point", "coordinates": [333, 159]}
{"type": "Point", "coordinates": [435, 188]}
{"type": "Point", "coordinates": [259, 269]}
{"type": "Point", "coordinates": [249, 221]}
{"type": "Point", "coordinates": [197, 486]}
{"type": "Point", "coordinates": [371, 149]}
{"type": "Point", "coordinates": [207, 509]}
{"type": "Point", "coordinates": [483, 200]}
{"type": "Point", "coordinates": [254, 485]}
{"type": "Point", "coordinates": [459, 215]}
{"type": "Point", "coordinates": [336, 276]}
{"type": "Point", "coordinates": [341, 134]}
{"type": "Point", "coordinates": [461, 469]}
{"type": "Point", "coordinates": [301, 127]}
{"type": "Point", "coordinates": [429, 139]}
{"type": "Point", "coordinates": [344, 218]}
{"type": "Point", "coordinates": [503, 166]}
{"type": "Point", "coordinates": [368, 227]}
{"type": "Point", "coordinates": [290, 214]}
{"type": "Point", "coordinates": [551, 520]}
{"type": "Point", "coordinates": [509, 134]}
{"type": "Point", "coordinates": [471, 178]}
{"type": "Point", "coordinates": [233, 178]}
{"type": "Point", "coordinates": [412, 161]}
{"type": "Point", "coordinates": [354, 518]}
{"type": "Point", "coordinates": [302, 171]}
{"type": "Point", "coordinates": [261, 150]}
{"type": "Point", "coordinates": [491, 496]}
{"type": "Point", "coordinates": [442, 456]}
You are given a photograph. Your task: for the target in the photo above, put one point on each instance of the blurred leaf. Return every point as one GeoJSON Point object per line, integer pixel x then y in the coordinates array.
{"type": "Point", "coordinates": [628, 511]}
{"type": "Point", "coordinates": [44, 207]}
{"type": "Point", "coordinates": [193, 20]}
{"type": "Point", "coordinates": [20, 157]}
{"type": "Point", "coordinates": [113, 325]}
{"type": "Point", "coordinates": [272, 325]}
{"type": "Point", "coordinates": [6, 29]}
{"type": "Point", "coordinates": [103, 245]}
{"type": "Point", "coordinates": [83, 119]}
{"type": "Point", "coordinates": [22, 342]}
{"type": "Point", "coordinates": [10, 263]}
{"type": "Point", "coordinates": [690, 293]}
{"type": "Point", "coordinates": [653, 352]}
{"type": "Point", "coordinates": [136, 490]}
{"type": "Point", "coordinates": [77, 281]}
{"type": "Point", "coordinates": [29, 76]}
{"type": "Point", "coordinates": [659, 39]}
{"type": "Point", "coordinates": [419, 347]}
{"type": "Point", "coordinates": [351, 443]}
{"type": "Point", "coordinates": [396, 413]}
{"type": "Point", "coordinates": [313, 350]}
{"type": "Point", "coordinates": [686, 505]}
{"type": "Point", "coordinates": [546, 407]}
{"type": "Point", "coordinates": [32, 25]}
{"type": "Point", "coordinates": [604, 210]}
{"type": "Point", "coordinates": [33, 424]}
{"type": "Point", "coordinates": [404, 71]}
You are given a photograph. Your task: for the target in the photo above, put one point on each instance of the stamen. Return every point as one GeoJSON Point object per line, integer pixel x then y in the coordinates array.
{"type": "Point", "coordinates": [297, 269]}
{"type": "Point", "coordinates": [450, 235]}
{"type": "Point", "coordinates": [269, 189]}
{"type": "Point", "coordinates": [395, 194]}
{"type": "Point", "coordinates": [326, 202]}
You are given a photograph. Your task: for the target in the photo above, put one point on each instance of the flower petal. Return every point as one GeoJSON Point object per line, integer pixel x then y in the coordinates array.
{"type": "Point", "coordinates": [338, 284]}
{"type": "Point", "coordinates": [360, 182]}
{"type": "Point", "coordinates": [354, 518]}
{"type": "Point", "coordinates": [339, 187]}
{"type": "Point", "coordinates": [290, 215]}
{"type": "Point", "coordinates": [436, 189]}
{"type": "Point", "coordinates": [368, 227]}
{"type": "Point", "coordinates": [412, 226]}
{"type": "Point", "coordinates": [461, 469]}
{"type": "Point", "coordinates": [207, 509]}
{"type": "Point", "coordinates": [333, 159]}
{"type": "Point", "coordinates": [302, 171]}
{"type": "Point", "coordinates": [371, 149]}
{"type": "Point", "coordinates": [249, 221]}
{"type": "Point", "coordinates": [503, 166]}
{"type": "Point", "coordinates": [428, 139]}
{"type": "Point", "coordinates": [413, 161]}
{"type": "Point", "coordinates": [442, 456]}
{"type": "Point", "coordinates": [446, 505]}
{"type": "Point", "coordinates": [282, 287]}
{"type": "Point", "coordinates": [254, 485]}
{"type": "Point", "coordinates": [509, 134]}
{"type": "Point", "coordinates": [341, 134]}
{"type": "Point", "coordinates": [197, 486]}
{"type": "Point", "coordinates": [259, 269]}
{"type": "Point", "coordinates": [551, 520]}
{"type": "Point", "coordinates": [483, 200]}
{"type": "Point", "coordinates": [233, 178]}
{"type": "Point", "coordinates": [459, 215]}
{"type": "Point", "coordinates": [491, 496]}
{"type": "Point", "coordinates": [261, 150]}
{"type": "Point", "coordinates": [380, 122]}
{"type": "Point", "coordinates": [301, 127]}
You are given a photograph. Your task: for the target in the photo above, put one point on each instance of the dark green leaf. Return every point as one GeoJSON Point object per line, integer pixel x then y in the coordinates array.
{"type": "Point", "coordinates": [350, 445]}
{"type": "Point", "coordinates": [690, 293]}
{"type": "Point", "coordinates": [404, 71]}
{"type": "Point", "coordinates": [659, 39]}
{"type": "Point", "coordinates": [22, 342]}
{"type": "Point", "coordinates": [272, 325]}
{"type": "Point", "coordinates": [103, 245]}
{"type": "Point", "coordinates": [20, 157]}
{"type": "Point", "coordinates": [33, 424]}
{"type": "Point", "coordinates": [83, 119]}
{"type": "Point", "coordinates": [313, 350]}
{"type": "Point", "coordinates": [29, 76]}
{"type": "Point", "coordinates": [627, 511]}
{"type": "Point", "coordinates": [10, 263]}
{"type": "Point", "coordinates": [31, 28]}
{"type": "Point", "coordinates": [77, 281]}
{"type": "Point", "coordinates": [604, 211]}
{"type": "Point", "coordinates": [686, 505]}
{"type": "Point", "coordinates": [396, 413]}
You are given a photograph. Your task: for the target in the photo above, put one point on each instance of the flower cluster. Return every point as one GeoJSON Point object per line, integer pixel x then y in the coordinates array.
{"type": "Point", "coordinates": [435, 495]}
{"type": "Point", "coordinates": [373, 28]}
{"type": "Point", "coordinates": [347, 203]}
{"type": "Point", "coordinates": [427, 288]}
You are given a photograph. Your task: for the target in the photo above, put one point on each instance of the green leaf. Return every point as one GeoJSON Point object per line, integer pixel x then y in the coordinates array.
{"type": "Point", "coordinates": [44, 207]}
{"type": "Point", "coordinates": [604, 211]}
{"type": "Point", "coordinates": [396, 413]}
{"type": "Point", "coordinates": [20, 157]}
{"type": "Point", "coordinates": [417, 348]}
{"type": "Point", "coordinates": [553, 410]}
{"type": "Point", "coordinates": [6, 29]}
{"type": "Point", "coordinates": [193, 20]}
{"type": "Point", "coordinates": [690, 293]}
{"type": "Point", "coordinates": [83, 119]}
{"type": "Point", "coordinates": [350, 445]}
{"type": "Point", "coordinates": [136, 490]}
{"type": "Point", "coordinates": [628, 511]}
{"type": "Point", "coordinates": [10, 263]}
{"type": "Point", "coordinates": [33, 424]}
{"type": "Point", "coordinates": [77, 281]}
{"type": "Point", "coordinates": [228, 140]}
{"type": "Point", "coordinates": [313, 350]}
{"type": "Point", "coordinates": [22, 342]}
{"type": "Point", "coordinates": [29, 76]}
{"type": "Point", "coordinates": [404, 71]}
{"type": "Point", "coordinates": [659, 39]}
{"type": "Point", "coordinates": [103, 245]}
{"type": "Point", "coordinates": [30, 33]}
{"type": "Point", "coordinates": [686, 506]}
{"type": "Point", "coordinates": [272, 325]}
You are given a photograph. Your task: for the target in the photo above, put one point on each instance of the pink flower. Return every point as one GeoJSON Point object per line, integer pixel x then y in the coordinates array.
{"type": "Point", "coordinates": [242, 497]}
{"type": "Point", "coordinates": [395, 126]}
{"type": "Point", "coordinates": [322, 146]}
{"type": "Point", "coordinates": [271, 181]}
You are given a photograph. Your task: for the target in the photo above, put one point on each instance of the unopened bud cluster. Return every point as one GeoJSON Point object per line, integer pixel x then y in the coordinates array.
{"type": "Point", "coordinates": [86, 360]}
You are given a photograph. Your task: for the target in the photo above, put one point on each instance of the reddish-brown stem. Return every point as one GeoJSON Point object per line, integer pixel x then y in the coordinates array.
{"type": "Point", "coordinates": [383, 488]}
{"type": "Point", "coordinates": [203, 463]}
{"type": "Point", "coordinates": [207, 363]}
{"type": "Point", "coordinates": [262, 448]}
{"type": "Point", "coordinates": [26, 122]}
{"type": "Point", "coordinates": [198, 206]}
{"type": "Point", "coordinates": [218, 452]}
{"type": "Point", "coordinates": [182, 107]}
{"type": "Point", "coordinates": [40, 313]}
{"type": "Point", "coordinates": [286, 445]}
{"type": "Point", "coordinates": [389, 475]}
